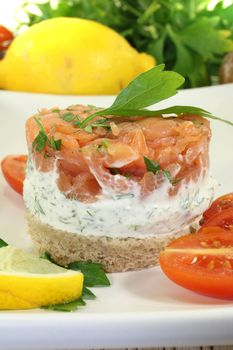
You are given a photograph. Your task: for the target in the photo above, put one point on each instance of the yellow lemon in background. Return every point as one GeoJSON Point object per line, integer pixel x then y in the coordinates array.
{"type": "Point", "coordinates": [27, 281]}
{"type": "Point", "coordinates": [71, 56]}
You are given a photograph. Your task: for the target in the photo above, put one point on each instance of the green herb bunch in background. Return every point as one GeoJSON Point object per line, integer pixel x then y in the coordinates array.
{"type": "Point", "coordinates": [189, 36]}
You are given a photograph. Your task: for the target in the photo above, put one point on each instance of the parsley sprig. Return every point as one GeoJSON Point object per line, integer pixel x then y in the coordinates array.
{"type": "Point", "coordinates": [147, 89]}
{"type": "Point", "coordinates": [94, 276]}
{"type": "Point", "coordinates": [77, 121]}
{"type": "Point", "coordinates": [42, 139]}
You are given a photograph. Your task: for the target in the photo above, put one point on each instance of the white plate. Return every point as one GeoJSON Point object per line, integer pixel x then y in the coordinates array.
{"type": "Point", "coordinates": [140, 309]}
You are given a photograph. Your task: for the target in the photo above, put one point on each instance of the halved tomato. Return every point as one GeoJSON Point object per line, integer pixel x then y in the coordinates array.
{"type": "Point", "coordinates": [13, 168]}
{"type": "Point", "coordinates": [201, 262]}
{"type": "Point", "coordinates": [220, 204]}
{"type": "Point", "coordinates": [222, 219]}
{"type": "Point", "coordinates": [5, 38]}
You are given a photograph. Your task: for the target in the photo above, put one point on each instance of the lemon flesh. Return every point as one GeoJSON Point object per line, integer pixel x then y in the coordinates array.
{"type": "Point", "coordinates": [71, 56]}
{"type": "Point", "coordinates": [27, 281]}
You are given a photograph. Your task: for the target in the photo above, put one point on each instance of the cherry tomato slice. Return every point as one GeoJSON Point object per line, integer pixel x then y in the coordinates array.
{"type": "Point", "coordinates": [5, 38]}
{"type": "Point", "coordinates": [201, 262]}
{"type": "Point", "coordinates": [13, 168]}
{"type": "Point", "coordinates": [220, 204]}
{"type": "Point", "coordinates": [223, 219]}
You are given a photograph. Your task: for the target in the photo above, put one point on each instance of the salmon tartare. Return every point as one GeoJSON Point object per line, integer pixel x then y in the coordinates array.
{"type": "Point", "coordinates": [118, 190]}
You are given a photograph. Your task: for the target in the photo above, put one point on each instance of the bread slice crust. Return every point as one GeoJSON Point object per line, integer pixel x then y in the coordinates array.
{"type": "Point", "coordinates": [115, 254]}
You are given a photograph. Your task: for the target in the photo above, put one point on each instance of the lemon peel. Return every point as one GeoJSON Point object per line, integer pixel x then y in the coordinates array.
{"type": "Point", "coordinates": [71, 56]}
{"type": "Point", "coordinates": [27, 281]}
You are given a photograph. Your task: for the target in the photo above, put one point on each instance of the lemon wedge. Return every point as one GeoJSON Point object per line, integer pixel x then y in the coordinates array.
{"type": "Point", "coordinates": [27, 281]}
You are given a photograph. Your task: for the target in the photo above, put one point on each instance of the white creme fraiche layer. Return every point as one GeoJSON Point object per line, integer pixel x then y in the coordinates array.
{"type": "Point", "coordinates": [123, 215]}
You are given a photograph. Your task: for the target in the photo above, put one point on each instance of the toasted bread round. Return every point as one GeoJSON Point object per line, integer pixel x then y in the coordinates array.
{"type": "Point", "coordinates": [115, 254]}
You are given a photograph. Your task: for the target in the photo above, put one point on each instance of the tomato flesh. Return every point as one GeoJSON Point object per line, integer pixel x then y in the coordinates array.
{"type": "Point", "coordinates": [5, 38]}
{"type": "Point", "coordinates": [13, 169]}
{"type": "Point", "coordinates": [222, 219]}
{"type": "Point", "coordinates": [202, 262]}
{"type": "Point", "coordinates": [220, 204]}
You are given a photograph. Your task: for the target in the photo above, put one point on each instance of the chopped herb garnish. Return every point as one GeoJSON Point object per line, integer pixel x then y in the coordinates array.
{"type": "Point", "coordinates": [105, 143]}
{"type": "Point", "coordinates": [42, 139]}
{"type": "Point", "coordinates": [197, 122]}
{"type": "Point", "coordinates": [151, 165]}
{"type": "Point", "coordinates": [68, 117]}
{"type": "Point", "coordinates": [155, 168]}
{"type": "Point", "coordinates": [134, 227]}
{"type": "Point", "coordinates": [175, 181]}
{"type": "Point", "coordinates": [167, 174]}
{"type": "Point", "coordinates": [88, 128]}
{"type": "Point", "coordinates": [55, 144]}
{"type": "Point", "coordinates": [125, 195]}
{"type": "Point", "coordinates": [114, 171]}
{"type": "Point", "coordinates": [89, 213]}
{"type": "Point", "coordinates": [56, 110]}
{"type": "Point", "coordinates": [103, 122]}
{"type": "Point", "coordinates": [78, 121]}
{"type": "Point", "coordinates": [92, 106]}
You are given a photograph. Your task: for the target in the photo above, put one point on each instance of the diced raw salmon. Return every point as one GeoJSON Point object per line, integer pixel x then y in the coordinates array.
{"type": "Point", "coordinates": [112, 158]}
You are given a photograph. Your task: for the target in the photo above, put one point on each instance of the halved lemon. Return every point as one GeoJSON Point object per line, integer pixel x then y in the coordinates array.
{"type": "Point", "coordinates": [27, 281]}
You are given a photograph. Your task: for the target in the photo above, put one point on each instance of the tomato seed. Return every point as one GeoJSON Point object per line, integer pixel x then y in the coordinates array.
{"type": "Point", "coordinates": [217, 244]}
{"type": "Point", "coordinates": [227, 264]}
{"type": "Point", "coordinates": [211, 265]}
{"type": "Point", "coordinates": [204, 244]}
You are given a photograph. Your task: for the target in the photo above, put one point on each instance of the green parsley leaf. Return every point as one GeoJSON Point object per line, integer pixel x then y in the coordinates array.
{"type": "Point", "coordinates": [151, 165]}
{"type": "Point", "coordinates": [3, 243]}
{"type": "Point", "coordinates": [87, 294]}
{"type": "Point", "coordinates": [114, 171]}
{"type": "Point", "coordinates": [40, 126]}
{"type": "Point", "coordinates": [154, 167]}
{"type": "Point", "coordinates": [66, 307]}
{"type": "Point", "coordinates": [93, 273]}
{"type": "Point", "coordinates": [78, 121]}
{"type": "Point", "coordinates": [88, 129]}
{"type": "Point", "coordinates": [40, 141]}
{"type": "Point", "coordinates": [93, 276]}
{"type": "Point", "coordinates": [92, 106]}
{"type": "Point", "coordinates": [213, 42]}
{"type": "Point", "coordinates": [104, 143]}
{"type": "Point", "coordinates": [103, 122]}
{"type": "Point", "coordinates": [68, 117]}
{"type": "Point", "coordinates": [55, 144]}
{"type": "Point", "coordinates": [47, 256]}
{"type": "Point", "coordinates": [167, 174]}
{"type": "Point", "coordinates": [150, 87]}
